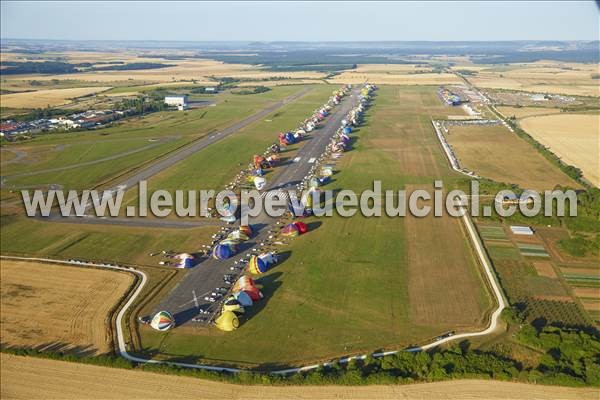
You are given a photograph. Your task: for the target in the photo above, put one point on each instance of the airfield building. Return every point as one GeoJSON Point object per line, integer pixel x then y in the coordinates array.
{"type": "Point", "coordinates": [181, 102]}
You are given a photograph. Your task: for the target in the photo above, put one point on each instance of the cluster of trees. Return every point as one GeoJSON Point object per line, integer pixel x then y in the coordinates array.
{"type": "Point", "coordinates": [256, 90]}
{"type": "Point", "coordinates": [30, 67]}
{"type": "Point", "coordinates": [142, 105]}
{"type": "Point", "coordinates": [568, 357]}
{"type": "Point", "coordinates": [60, 67]}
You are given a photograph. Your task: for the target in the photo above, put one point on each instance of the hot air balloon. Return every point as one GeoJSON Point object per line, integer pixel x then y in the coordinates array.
{"type": "Point", "coordinates": [238, 235]}
{"type": "Point", "coordinates": [347, 130]}
{"type": "Point", "coordinates": [290, 230]}
{"type": "Point", "coordinates": [302, 227]}
{"type": "Point", "coordinates": [243, 298]}
{"type": "Point", "coordinates": [261, 263]}
{"type": "Point", "coordinates": [231, 304]}
{"type": "Point", "coordinates": [259, 182]}
{"type": "Point", "coordinates": [246, 284]}
{"type": "Point", "coordinates": [247, 229]}
{"type": "Point", "coordinates": [162, 321]}
{"type": "Point", "coordinates": [227, 321]}
{"type": "Point", "coordinates": [185, 260]}
{"type": "Point", "coordinates": [223, 251]}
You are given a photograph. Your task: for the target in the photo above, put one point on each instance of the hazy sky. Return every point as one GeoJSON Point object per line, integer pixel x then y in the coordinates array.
{"type": "Point", "coordinates": [311, 21]}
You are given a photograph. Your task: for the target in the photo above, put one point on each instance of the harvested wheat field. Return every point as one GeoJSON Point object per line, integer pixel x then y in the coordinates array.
{"type": "Point", "coordinates": [523, 112]}
{"type": "Point", "coordinates": [32, 378]}
{"type": "Point", "coordinates": [394, 78]}
{"type": "Point", "coordinates": [494, 152]}
{"type": "Point", "coordinates": [44, 98]}
{"type": "Point", "coordinates": [58, 307]}
{"type": "Point", "coordinates": [573, 137]}
{"type": "Point", "coordinates": [541, 77]}
{"type": "Point", "coordinates": [443, 261]}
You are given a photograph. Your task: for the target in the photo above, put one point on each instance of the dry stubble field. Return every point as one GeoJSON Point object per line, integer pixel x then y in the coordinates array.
{"type": "Point", "coordinates": [50, 97]}
{"type": "Point", "coordinates": [496, 153]}
{"type": "Point", "coordinates": [573, 137]}
{"type": "Point", "coordinates": [542, 77]}
{"type": "Point", "coordinates": [31, 378]}
{"type": "Point", "coordinates": [58, 307]}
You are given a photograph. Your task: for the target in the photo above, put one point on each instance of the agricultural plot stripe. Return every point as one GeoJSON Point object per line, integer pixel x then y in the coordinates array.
{"type": "Point", "coordinates": [530, 254]}
{"type": "Point", "coordinates": [526, 246]}
{"type": "Point", "coordinates": [583, 277]}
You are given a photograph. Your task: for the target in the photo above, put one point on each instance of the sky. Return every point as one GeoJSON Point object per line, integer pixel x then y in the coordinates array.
{"type": "Point", "coordinates": [300, 21]}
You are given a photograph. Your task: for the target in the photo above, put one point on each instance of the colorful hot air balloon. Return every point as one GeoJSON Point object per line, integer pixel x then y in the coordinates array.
{"type": "Point", "coordinates": [162, 321]}
{"type": "Point", "coordinates": [302, 227]}
{"type": "Point", "coordinates": [231, 304]}
{"type": "Point", "coordinates": [185, 260]}
{"type": "Point", "coordinates": [243, 298]}
{"type": "Point", "coordinates": [259, 182]}
{"type": "Point", "coordinates": [246, 284]}
{"type": "Point", "coordinates": [290, 230]}
{"type": "Point", "coordinates": [247, 229]}
{"type": "Point", "coordinates": [227, 321]}
{"type": "Point", "coordinates": [223, 251]}
{"type": "Point", "coordinates": [238, 235]}
{"type": "Point", "coordinates": [261, 263]}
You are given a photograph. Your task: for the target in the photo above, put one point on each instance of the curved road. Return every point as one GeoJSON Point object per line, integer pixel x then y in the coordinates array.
{"type": "Point", "coordinates": [494, 319]}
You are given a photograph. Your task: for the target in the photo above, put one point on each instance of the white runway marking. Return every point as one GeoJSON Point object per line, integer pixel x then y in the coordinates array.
{"type": "Point", "coordinates": [312, 160]}
{"type": "Point", "coordinates": [195, 299]}
{"type": "Point", "coordinates": [297, 159]}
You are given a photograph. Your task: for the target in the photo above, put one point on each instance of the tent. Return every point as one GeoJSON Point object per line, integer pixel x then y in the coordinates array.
{"type": "Point", "coordinates": [162, 321]}
{"type": "Point", "coordinates": [227, 321]}
{"type": "Point", "coordinates": [261, 263]}
{"type": "Point", "coordinates": [223, 251]}
{"type": "Point", "coordinates": [243, 298]}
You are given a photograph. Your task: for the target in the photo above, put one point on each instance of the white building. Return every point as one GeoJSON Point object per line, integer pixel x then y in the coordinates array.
{"type": "Point", "coordinates": [181, 102]}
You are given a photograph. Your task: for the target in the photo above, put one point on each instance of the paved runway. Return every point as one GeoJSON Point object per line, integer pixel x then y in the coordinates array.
{"type": "Point", "coordinates": [187, 298]}
{"type": "Point", "coordinates": [168, 161]}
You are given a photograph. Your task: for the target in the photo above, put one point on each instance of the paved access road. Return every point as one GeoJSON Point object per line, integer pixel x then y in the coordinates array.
{"type": "Point", "coordinates": [187, 298]}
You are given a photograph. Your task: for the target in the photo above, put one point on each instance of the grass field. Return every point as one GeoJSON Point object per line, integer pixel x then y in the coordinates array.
{"type": "Point", "coordinates": [59, 308]}
{"type": "Point", "coordinates": [45, 98]}
{"type": "Point", "coordinates": [575, 138]}
{"type": "Point", "coordinates": [118, 244]}
{"type": "Point", "coordinates": [30, 378]}
{"type": "Point", "coordinates": [154, 135]}
{"type": "Point", "coordinates": [495, 153]}
{"type": "Point", "coordinates": [216, 165]}
{"type": "Point", "coordinates": [340, 294]}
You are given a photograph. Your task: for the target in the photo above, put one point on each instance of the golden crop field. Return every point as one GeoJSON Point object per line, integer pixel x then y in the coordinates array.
{"type": "Point", "coordinates": [44, 98]}
{"type": "Point", "coordinates": [494, 152]}
{"type": "Point", "coordinates": [542, 77]}
{"type": "Point", "coordinates": [58, 307]}
{"type": "Point", "coordinates": [33, 378]}
{"type": "Point", "coordinates": [573, 137]}
{"type": "Point", "coordinates": [523, 112]}
{"type": "Point", "coordinates": [392, 78]}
